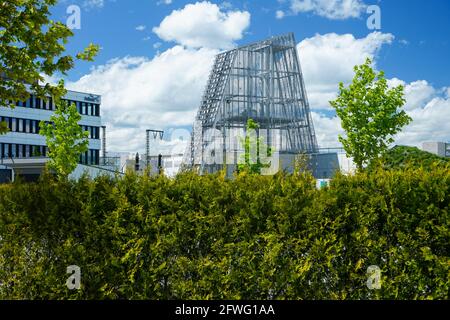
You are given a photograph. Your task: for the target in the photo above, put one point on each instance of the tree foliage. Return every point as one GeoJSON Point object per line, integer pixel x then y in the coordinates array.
{"type": "Point", "coordinates": [32, 47]}
{"type": "Point", "coordinates": [208, 237]}
{"type": "Point", "coordinates": [400, 157]}
{"type": "Point", "coordinates": [370, 114]}
{"type": "Point", "coordinates": [65, 138]}
{"type": "Point", "coordinates": [255, 150]}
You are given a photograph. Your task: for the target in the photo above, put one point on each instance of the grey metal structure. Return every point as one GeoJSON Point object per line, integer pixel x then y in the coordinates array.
{"type": "Point", "coordinates": [261, 81]}
{"type": "Point", "coordinates": [155, 133]}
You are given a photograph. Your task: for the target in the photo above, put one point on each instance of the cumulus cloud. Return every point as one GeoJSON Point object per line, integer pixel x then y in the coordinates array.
{"type": "Point", "coordinates": [140, 93]}
{"type": "Point", "coordinates": [329, 59]}
{"type": "Point", "coordinates": [427, 106]}
{"type": "Point", "coordinates": [203, 24]}
{"type": "Point", "coordinates": [279, 14]}
{"type": "Point", "coordinates": [89, 4]}
{"type": "Point", "coordinates": [331, 9]}
{"type": "Point", "coordinates": [141, 28]}
{"type": "Point", "coordinates": [165, 91]}
{"type": "Point", "coordinates": [430, 110]}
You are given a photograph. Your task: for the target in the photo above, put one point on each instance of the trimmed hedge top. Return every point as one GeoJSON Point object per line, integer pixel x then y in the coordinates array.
{"type": "Point", "coordinates": [207, 237]}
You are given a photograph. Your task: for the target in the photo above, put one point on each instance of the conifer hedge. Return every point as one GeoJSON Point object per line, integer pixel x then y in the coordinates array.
{"type": "Point", "coordinates": [208, 237]}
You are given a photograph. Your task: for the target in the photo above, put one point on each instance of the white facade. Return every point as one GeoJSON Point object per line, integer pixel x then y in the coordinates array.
{"type": "Point", "coordinates": [441, 149]}
{"type": "Point", "coordinates": [24, 149]}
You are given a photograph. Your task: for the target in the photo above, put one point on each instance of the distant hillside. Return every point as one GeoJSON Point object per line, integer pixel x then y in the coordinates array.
{"type": "Point", "coordinates": [401, 156]}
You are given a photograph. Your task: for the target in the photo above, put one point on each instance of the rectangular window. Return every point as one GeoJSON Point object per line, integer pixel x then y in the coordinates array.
{"type": "Point", "coordinates": [13, 125]}
{"type": "Point", "coordinates": [29, 102]}
{"type": "Point", "coordinates": [27, 126]}
{"type": "Point", "coordinates": [13, 151]}
{"type": "Point", "coordinates": [8, 122]}
{"type": "Point", "coordinates": [83, 108]}
{"type": "Point", "coordinates": [37, 103]}
{"type": "Point", "coordinates": [44, 104]}
{"type": "Point", "coordinates": [20, 125]}
{"type": "Point", "coordinates": [97, 157]}
{"type": "Point", "coordinates": [50, 104]}
{"type": "Point", "coordinates": [6, 148]}
{"type": "Point", "coordinates": [20, 150]}
{"type": "Point", "coordinates": [27, 151]}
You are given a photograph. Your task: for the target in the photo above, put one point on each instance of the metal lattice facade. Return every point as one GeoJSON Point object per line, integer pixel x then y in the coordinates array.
{"type": "Point", "coordinates": [261, 81]}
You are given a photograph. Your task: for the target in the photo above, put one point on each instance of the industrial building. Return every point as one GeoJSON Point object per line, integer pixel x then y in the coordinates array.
{"type": "Point", "coordinates": [441, 149]}
{"type": "Point", "coordinates": [263, 82]}
{"type": "Point", "coordinates": [23, 150]}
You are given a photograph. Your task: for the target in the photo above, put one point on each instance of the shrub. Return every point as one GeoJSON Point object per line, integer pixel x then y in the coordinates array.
{"type": "Point", "coordinates": [208, 237]}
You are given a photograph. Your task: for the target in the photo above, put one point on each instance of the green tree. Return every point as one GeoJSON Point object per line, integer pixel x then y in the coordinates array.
{"type": "Point", "coordinates": [31, 48]}
{"type": "Point", "coordinates": [370, 114]}
{"type": "Point", "coordinates": [251, 160]}
{"type": "Point", "coordinates": [65, 139]}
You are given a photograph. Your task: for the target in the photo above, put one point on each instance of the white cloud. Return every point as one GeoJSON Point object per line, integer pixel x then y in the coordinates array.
{"type": "Point", "coordinates": [329, 59]}
{"type": "Point", "coordinates": [331, 9]}
{"type": "Point", "coordinates": [428, 107]}
{"type": "Point", "coordinates": [165, 2]}
{"type": "Point", "coordinates": [164, 92]}
{"type": "Point", "coordinates": [327, 130]}
{"type": "Point", "coordinates": [203, 24]}
{"type": "Point", "coordinates": [141, 28]}
{"type": "Point", "coordinates": [89, 4]}
{"type": "Point", "coordinates": [140, 93]}
{"type": "Point", "coordinates": [279, 14]}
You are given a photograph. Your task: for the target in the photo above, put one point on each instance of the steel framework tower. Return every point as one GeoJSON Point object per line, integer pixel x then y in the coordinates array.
{"type": "Point", "coordinates": [262, 81]}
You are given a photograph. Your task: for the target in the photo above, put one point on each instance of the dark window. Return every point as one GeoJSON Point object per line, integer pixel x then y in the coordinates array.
{"type": "Point", "coordinates": [8, 122]}
{"type": "Point", "coordinates": [37, 103]}
{"type": "Point", "coordinates": [6, 150]}
{"type": "Point", "coordinates": [20, 150]}
{"type": "Point", "coordinates": [27, 126]}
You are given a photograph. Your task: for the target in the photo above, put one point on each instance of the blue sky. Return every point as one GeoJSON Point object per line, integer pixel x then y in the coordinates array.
{"type": "Point", "coordinates": [412, 47]}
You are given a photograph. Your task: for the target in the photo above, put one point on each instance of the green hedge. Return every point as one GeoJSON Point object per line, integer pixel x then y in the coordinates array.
{"type": "Point", "coordinates": [400, 157]}
{"type": "Point", "coordinates": [207, 237]}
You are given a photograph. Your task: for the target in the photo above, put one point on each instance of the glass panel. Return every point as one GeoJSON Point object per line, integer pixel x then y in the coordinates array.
{"type": "Point", "coordinates": [13, 151]}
